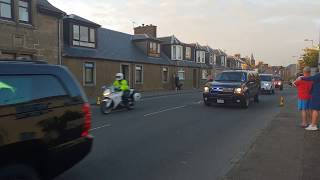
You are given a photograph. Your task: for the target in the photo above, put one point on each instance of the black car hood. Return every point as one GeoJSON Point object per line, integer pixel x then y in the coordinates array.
{"type": "Point", "coordinates": [226, 84]}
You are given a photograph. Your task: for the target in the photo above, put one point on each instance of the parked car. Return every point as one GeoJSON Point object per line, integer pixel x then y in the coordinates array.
{"type": "Point", "coordinates": [233, 87]}
{"type": "Point", "coordinates": [45, 120]}
{"type": "Point", "coordinates": [278, 82]}
{"type": "Point", "coordinates": [267, 83]}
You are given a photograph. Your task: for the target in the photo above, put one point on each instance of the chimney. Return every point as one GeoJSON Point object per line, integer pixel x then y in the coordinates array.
{"type": "Point", "coordinates": [150, 30]}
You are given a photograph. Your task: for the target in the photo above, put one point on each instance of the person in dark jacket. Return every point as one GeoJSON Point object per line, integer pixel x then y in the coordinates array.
{"type": "Point", "coordinates": [177, 83]}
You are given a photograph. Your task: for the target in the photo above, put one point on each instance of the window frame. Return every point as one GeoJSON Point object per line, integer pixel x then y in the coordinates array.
{"type": "Point", "coordinates": [162, 74]}
{"type": "Point", "coordinates": [154, 48]}
{"type": "Point", "coordinates": [135, 74]}
{"type": "Point", "coordinates": [29, 12]}
{"type": "Point", "coordinates": [177, 52]}
{"type": "Point", "coordinates": [93, 83]}
{"type": "Point", "coordinates": [181, 70]}
{"type": "Point", "coordinates": [79, 41]}
{"type": "Point", "coordinates": [11, 8]}
{"type": "Point", "coordinates": [201, 56]}
{"type": "Point", "coordinates": [188, 53]}
{"type": "Point", "coordinates": [202, 73]}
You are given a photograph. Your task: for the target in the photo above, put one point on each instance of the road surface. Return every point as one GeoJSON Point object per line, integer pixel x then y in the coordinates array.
{"type": "Point", "coordinates": [173, 137]}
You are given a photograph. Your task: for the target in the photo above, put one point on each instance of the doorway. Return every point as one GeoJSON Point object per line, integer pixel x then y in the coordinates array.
{"type": "Point", "coordinates": [125, 69]}
{"type": "Point", "coordinates": [195, 78]}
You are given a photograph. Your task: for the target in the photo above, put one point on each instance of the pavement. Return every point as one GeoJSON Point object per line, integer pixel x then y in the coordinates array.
{"type": "Point", "coordinates": [284, 151]}
{"type": "Point", "coordinates": [176, 137]}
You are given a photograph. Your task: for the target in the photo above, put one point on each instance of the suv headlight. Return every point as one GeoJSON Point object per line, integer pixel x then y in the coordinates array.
{"type": "Point", "coordinates": [206, 89]}
{"type": "Point", "coordinates": [238, 90]}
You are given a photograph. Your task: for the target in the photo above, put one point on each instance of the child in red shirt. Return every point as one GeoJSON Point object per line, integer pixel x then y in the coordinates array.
{"type": "Point", "coordinates": [304, 96]}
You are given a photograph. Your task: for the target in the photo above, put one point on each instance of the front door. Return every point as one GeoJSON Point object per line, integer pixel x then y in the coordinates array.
{"type": "Point", "coordinates": [194, 78]}
{"type": "Point", "coordinates": [126, 72]}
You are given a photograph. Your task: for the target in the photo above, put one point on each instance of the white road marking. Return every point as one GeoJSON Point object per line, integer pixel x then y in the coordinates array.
{"type": "Point", "coordinates": [165, 110]}
{"type": "Point", "coordinates": [99, 127]}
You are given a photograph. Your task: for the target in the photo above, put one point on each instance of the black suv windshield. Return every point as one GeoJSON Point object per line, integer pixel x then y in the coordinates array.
{"type": "Point", "coordinates": [266, 78]}
{"type": "Point", "coordinates": [232, 76]}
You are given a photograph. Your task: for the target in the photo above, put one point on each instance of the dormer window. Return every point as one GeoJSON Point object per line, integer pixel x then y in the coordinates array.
{"type": "Point", "coordinates": [201, 56]}
{"type": "Point", "coordinates": [177, 52]}
{"type": "Point", "coordinates": [154, 49]}
{"type": "Point", "coordinates": [211, 59]}
{"type": "Point", "coordinates": [188, 52]}
{"type": "Point", "coordinates": [84, 36]}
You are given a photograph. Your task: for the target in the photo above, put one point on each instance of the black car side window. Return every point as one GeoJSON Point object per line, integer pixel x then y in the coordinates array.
{"type": "Point", "coordinates": [26, 88]}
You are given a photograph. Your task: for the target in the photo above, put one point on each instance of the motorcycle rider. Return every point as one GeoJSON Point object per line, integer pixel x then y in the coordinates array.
{"type": "Point", "coordinates": [122, 85]}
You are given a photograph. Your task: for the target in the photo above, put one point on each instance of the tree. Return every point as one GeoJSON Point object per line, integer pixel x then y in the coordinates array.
{"type": "Point", "coordinates": [310, 57]}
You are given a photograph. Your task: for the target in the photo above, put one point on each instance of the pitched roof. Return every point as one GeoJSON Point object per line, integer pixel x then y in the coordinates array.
{"type": "Point", "coordinates": [170, 40]}
{"type": "Point", "coordinates": [45, 7]}
{"type": "Point", "coordinates": [138, 37]}
{"type": "Point", "coordinates": [118, 46]}
{"type": "Point", "coordinates": [113, 45]}
{"type": "Point", "coordinates": [77, 18]}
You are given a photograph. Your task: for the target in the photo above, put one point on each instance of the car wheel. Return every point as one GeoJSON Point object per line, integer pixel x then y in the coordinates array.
{"type": "Point", "coordinates": [256, 98]}
{"type": "Point", "coordinates": [246, 102]}
{"type": "Point", "coordinates": [18, 172]}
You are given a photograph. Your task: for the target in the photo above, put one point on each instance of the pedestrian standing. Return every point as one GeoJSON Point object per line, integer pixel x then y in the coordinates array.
{"type": "Point", "coordinates": [304, 96]}
{"type": "Point", "coordinates": [315, 100]}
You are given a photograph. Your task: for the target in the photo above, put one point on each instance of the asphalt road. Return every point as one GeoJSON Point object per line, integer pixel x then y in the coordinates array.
{"type": "Point", "coordinates": [173, 138]}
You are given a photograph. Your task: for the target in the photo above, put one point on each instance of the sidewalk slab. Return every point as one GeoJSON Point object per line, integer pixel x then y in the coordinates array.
{"type": "Point", "coordinates": [278, 153]}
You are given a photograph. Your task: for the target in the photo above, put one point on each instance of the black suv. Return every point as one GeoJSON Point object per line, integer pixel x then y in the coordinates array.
{"type": "Point", "coordinates": [45, 120]}
{"type": "Point", "coordinates": [233, 87]}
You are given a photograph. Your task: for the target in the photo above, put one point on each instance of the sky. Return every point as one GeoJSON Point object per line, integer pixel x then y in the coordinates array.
{"type": "Point", "coordinates": [273, 30]}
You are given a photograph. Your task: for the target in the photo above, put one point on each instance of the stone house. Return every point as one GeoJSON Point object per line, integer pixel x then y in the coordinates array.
{"type": "Point", "coordinates": [30, 30]}
{"type": "Point", "coordinates": [95, 54]}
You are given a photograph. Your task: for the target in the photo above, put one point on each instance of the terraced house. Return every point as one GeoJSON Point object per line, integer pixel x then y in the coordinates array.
{"type": "Point", "coordinates": [35, 29]}
{"type": "Point", "coordinates": [30, 29]}
{"type": "Point", "coordinates": [95, 54]}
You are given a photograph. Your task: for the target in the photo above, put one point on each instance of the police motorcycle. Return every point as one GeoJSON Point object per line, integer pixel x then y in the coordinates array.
{"type": "Point", "coordinates": [114, 98]}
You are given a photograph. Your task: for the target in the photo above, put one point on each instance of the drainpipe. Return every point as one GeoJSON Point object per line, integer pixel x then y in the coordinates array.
{"type": "Point", "coordinates": [59, 42]}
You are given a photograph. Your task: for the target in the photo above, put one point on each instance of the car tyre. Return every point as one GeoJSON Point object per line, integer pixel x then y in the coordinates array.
{"type": "Point", "coordinates": [18, 172]}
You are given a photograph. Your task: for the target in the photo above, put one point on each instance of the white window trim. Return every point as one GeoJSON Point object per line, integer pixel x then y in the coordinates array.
{"type": "Point", "coordinates": [142, 74]}
{"type": "Point", "coordinates": [168, 80]}
{"type": "Point", "coordinates": [202, 55]}
{"type": "Point", "coordinates": [184, 74]}
{"type": "Point", "coordinates": [190, 50]}
{"type": "Point", "coordinates": [94, 74]}
{"type": "Point", "coordinates": [177, 55]}
{"type": "Point", "coordinates": [204, 70]}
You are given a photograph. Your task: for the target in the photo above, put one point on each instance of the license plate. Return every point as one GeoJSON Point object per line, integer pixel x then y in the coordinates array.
{"type": "Point", "coordinates": [220, 101]}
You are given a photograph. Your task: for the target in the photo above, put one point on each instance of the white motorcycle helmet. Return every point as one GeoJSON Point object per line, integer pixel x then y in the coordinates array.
{"type": "Point", "coordinates": [119, 76]}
